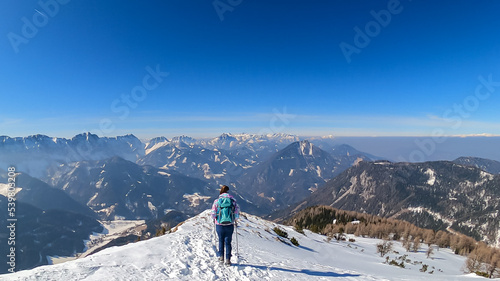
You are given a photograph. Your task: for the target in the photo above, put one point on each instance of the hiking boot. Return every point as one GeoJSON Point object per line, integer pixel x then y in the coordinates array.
{"type": "Point", "coordinates": [221, 259]}
{"type": "Point", "coordinates": [228, 262]}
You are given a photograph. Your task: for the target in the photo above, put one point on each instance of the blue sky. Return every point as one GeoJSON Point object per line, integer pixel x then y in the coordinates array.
{"type": "Point", "coordinates": [249, 66]}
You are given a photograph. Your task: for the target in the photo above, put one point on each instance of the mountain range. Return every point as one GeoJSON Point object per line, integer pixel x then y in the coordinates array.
{"type": "Point", "coordinates": [37, 154]}
{"type": "Point", "coordinates": [437, 195]}
{"type": "Point", "coordinates": [487, 165]}
{"type": "Point", "coordinates": [93, 179]}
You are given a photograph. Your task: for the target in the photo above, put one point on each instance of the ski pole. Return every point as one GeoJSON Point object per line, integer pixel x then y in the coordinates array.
{"type": "Point", "coordinates": [215, 236]}
{"type": "Point", "coordinates": [237, 250]}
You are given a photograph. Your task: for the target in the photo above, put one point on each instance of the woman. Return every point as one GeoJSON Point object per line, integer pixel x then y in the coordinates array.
{"type": "Point", "coordinates": [225, 212]}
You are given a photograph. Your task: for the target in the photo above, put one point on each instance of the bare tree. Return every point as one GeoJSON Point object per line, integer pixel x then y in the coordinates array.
{"type": "Point", "coordinates": [465, 245]}
{"type": "Point", "coordinates": [406, 241]}
{"type": "Point", "coordinates": [476, 259]}
{"type": "Point", "coordinates": [444, 239]}
{"type": "Point", "coordinates": [430, 251]}
{"type": "Point", "coordinates": [494, 265]}
{"type": "Point", "coordinates": [384, 247]}
{"type": "Point", "coordinates": [416, 244]}
{"type": "Point", "coordinates": [429, 237]}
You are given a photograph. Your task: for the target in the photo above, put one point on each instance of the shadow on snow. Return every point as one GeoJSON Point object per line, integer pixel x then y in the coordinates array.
{"type": "Point", "coordinates": [303, 271]}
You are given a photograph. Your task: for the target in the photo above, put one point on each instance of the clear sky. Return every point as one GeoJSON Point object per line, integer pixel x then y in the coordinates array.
{"type": "Point", "coordinates": [348, 68]}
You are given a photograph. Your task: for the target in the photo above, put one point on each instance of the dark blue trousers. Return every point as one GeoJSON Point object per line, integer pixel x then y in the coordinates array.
{"type": "Point", "coordinates": [225, 233]}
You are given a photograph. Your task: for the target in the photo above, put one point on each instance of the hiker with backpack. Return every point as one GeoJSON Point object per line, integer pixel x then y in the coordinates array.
{"type": "Point", "coordinates": [225, 212]}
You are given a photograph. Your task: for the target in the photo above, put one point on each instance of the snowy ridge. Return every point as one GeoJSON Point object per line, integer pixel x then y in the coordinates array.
{"type": "Point", "coordinates": [155, 146]}
{"type": "Point", "coordinates": [35, 154]}
{"type": "Point", "coordinates": [189, 254]}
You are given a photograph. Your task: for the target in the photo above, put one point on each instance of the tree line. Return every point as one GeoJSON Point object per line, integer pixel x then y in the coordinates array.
{"type": "Point", "coordinates": [482, 259]}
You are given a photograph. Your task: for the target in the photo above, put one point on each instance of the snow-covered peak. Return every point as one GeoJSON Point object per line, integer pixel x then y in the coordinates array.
{"type": "Point", "coordinates": [224, 141]}
{"type": "Point", "coordinates": [283, 137]}
{"type": "Point", "coordinates": [85, 137]}
{"type": "Point", "coordinates": [155, 143]}
{"type": "Point", "coordinates": [183, 139]}
{"type": "Point", "coordinates": [189, 254]}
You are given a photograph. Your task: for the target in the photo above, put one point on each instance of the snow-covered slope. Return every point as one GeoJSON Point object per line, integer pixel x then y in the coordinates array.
{"type": "Point", "coordinates": [189, 254]}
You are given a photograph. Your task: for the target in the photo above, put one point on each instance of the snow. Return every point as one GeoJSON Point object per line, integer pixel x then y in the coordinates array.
{"type": "Point", "coordinates": [195, 198]}
{"type": "Point", "coordinates": [318, 171]}
{"type": "Point", "coordinates": [94, 197]}
{"type": "Point", "coordinates": [306, 148]}
{"type": "Point", "coordinates": [98, 184]}
{"type": "Point", "coordinates": [163, 173]}
{"type": "Point", "coordinates": [151, 207]}
{"type": "Point", "coordinates": [208, 172]}
{"type": "Point", "coordinates": [118, 226]}
{"type": "Point", "coordinates": [432, 176]}
{"type": "Point", "coordinates": [435, 215]}
{"type": "Point", "coordinates": [486, 175]}
{"type": "Point", "coordinates": [484, 178]}
{"type": "Point", "coordinates": [156, 146]}
{"type": "Point", "coordinates": [4, 189]}
{"type": "Point", "coordinates": [358, 160]}
{"type": "Point", "coordinates": [189, 254]}
{"type": "Point", "coordinates": [112, 230]}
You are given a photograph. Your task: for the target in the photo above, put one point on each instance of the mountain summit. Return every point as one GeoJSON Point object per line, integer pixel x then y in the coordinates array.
{"type": "Point", "coordinates": [292, 174]}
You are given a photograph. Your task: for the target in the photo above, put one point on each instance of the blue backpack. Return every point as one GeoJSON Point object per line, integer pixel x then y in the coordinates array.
{"type": "Point", "coordinates": [225, 210]}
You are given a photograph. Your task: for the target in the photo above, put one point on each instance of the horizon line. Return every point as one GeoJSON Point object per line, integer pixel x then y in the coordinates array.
{"type": "Point", "coordinates": [329, 136]}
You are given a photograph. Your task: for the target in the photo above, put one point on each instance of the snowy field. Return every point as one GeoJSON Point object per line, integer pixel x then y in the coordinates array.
{"type": "Point", "coordinates": [189, 254]}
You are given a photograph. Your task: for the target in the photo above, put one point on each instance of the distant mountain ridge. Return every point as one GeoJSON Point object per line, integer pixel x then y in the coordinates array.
{"type": "Point", "coordinates": [35, 155]}
{"type": "Point", "coordinates": [487, 165]}
{"type": "Point", "coordinates": [436, 195]}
